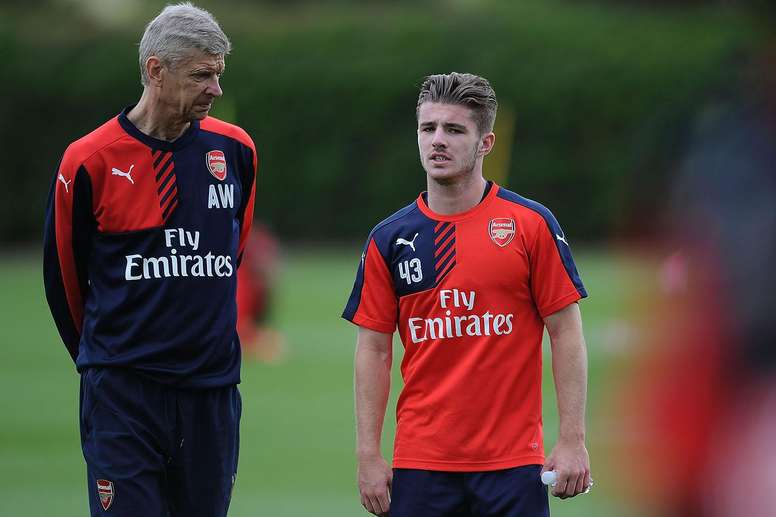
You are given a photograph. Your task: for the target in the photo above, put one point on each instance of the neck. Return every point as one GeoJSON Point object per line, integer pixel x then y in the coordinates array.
{"type": "Point", "coordinates": [457, 197]}
{"type": "Point", "coordinates": [155, 119]}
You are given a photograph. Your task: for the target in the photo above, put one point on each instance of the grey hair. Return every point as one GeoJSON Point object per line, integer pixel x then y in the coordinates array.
{"type": "Point", "coordinates": [468, 90]}
{"type": "Point", "coordinates": [177, 30]}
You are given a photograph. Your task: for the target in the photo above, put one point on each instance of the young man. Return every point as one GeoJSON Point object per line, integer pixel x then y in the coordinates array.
{"type": "Point", "coordinates": [471, 273]}
{"type": "Point", "coordinates": [145, 226]}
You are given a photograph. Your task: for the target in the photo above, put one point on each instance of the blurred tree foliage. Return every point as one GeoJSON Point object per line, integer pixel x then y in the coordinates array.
{"type": "Point", "coordinates": [328, 93]}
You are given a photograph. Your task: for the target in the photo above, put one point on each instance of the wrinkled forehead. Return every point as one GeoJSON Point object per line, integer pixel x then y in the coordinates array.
{"type": "Point", "coordinates": [195, 58]}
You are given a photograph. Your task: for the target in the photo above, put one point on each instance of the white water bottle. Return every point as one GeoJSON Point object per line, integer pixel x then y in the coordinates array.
{"type": "Point", "coordinates": [549, 478]}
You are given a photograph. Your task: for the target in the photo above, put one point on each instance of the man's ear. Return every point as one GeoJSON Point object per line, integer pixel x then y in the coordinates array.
{"type": "Point", "coordinates": [154, 70]}
{"type": "Point", "coordinates": [486, 143]}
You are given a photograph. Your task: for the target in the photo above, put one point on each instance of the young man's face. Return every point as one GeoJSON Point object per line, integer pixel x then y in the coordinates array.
{"type": "Point", "coordinates": [189, 88]}
{"type": "Point", "coordinates": [449, 142]}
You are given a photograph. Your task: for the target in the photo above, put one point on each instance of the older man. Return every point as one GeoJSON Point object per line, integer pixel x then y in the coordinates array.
{"type": "Point", "coordinates": [146, 222]}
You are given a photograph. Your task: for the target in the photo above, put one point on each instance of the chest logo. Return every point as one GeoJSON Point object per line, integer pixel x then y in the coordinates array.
{"type": "Point", "coordinates": [501, 230]}
{"type": "Point", "coordinates": [405, 242]}
{"type": "Point", "coordinates": [216, 164]}
{"type": "Point", "coordinates": [128, 174]}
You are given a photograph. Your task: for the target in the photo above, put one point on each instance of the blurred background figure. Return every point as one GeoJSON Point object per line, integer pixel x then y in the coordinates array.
{"type": "Point", "coordinates": [256, 279]}
{"type": "Point", "coordinates": [708, 417]}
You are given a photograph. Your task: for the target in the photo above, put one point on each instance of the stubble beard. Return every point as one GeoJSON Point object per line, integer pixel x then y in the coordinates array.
{"type": "Point", "coordinates": [461, 176]}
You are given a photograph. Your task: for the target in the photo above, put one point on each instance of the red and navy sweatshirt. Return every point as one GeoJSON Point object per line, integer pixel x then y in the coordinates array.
{"type": "Point", "coordinates": [142, 242]}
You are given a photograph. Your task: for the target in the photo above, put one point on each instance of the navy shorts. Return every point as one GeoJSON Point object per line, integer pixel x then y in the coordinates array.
{"type": "Point", "coordinates": [515, 492]}
{"type": "Point", "coordinates": [156, 450]}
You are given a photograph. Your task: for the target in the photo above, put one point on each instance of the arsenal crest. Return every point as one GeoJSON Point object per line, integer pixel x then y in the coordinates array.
{"type": "Point", "coordinates": [501, 230]}
{"type": "Point", "coordinates": [216, 164]}
{"type": "Point", "coordinates": [106, 493]}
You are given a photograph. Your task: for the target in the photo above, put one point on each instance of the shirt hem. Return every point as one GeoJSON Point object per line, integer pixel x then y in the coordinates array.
{"type": "Point", "coordinates": [467, 466]}
{"type": "Point", "coordinates": [559, 304]}
{"type": "Point", "coordinates": [378, 326]}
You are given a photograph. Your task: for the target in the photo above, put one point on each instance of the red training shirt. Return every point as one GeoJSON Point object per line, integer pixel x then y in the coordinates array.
{"type": "Point", "coordinates": [468, 293]}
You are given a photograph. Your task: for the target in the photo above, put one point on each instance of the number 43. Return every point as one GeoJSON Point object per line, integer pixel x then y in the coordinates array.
{"type": "Point", "coordinates": [416, 275]}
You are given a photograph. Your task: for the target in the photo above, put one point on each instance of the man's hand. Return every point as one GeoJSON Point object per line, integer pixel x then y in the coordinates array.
{"type": "Point", "coordinates": [572, 466]}
{"type": "Point", "coordinates": [374, 484]}
{"type": "Point", "coordinates": [569, 458]}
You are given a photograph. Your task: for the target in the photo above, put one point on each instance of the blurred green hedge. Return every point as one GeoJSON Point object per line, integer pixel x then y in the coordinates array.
{"type": "Point", "coordinates": [328, 93]}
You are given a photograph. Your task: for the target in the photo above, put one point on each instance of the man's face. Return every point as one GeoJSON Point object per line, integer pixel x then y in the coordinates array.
{"type": "Point", "coordinates": [189, 88]}
{"type": "Point", "coordinates": [449, 142]}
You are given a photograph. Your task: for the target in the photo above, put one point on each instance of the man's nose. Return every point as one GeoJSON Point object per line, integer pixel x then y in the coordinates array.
{"type": "Point", "coordinates": [214, 87]}
{"type": "Point", "coordinates": [439, 139]}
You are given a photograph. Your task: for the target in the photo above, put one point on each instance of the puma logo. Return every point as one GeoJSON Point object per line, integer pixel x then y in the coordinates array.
{"type": "Point", "coordinates": [411, 243]}
{"type": "Point", "coordinates": [561, 238]}
{"type": "Point", "coordinates": [64, 182]}
{"type": "Point", "coordinates": [128, 174]}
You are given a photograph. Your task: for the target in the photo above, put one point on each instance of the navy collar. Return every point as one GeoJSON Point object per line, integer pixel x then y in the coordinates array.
{"type": "Point", "coordinates": [154, 143]}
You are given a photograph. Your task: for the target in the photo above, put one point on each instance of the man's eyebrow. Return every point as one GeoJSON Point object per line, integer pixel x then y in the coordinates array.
{"type": "Point", "coordinates": [209, 66]}
{"type": "Point", "coordinates": [454, 125]}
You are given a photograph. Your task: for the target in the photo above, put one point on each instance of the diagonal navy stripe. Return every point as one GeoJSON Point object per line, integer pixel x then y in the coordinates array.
{"type": "Point", "coordinates": [158, 158]}
{"type": "Point", "coordinates": [167, 194]}
{"type": "Point", "coordinates": [441, 236]}
{"type": "Point", "coordinates": [169, 198]}
{"type": "Point", "coordinates": [169, 208]}
{"type": "Point", "coordinates": [442, 263]}
{"type": "Point", "coordinates": [442, 227]}
{"type": "Point", "coordinates": [166, 165]}
{"type": "Point", "coordinates": [441, 276]}
{"type": "Point", "coordinates": [443, 251]}
{"type": "Point", "coordinates": [443, 242]}
{"type": "Point", "coordinates": [163, 184]}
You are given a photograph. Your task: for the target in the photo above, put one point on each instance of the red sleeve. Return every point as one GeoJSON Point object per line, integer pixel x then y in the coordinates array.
{"type": "Point", "coordinates": [68, 221]}
{"type": "Point", "coordinates": [373, 303]}
{"type": "Point", "coordinates": [249, 187]}
{"type": "Point", "coordinates": [552, 271]}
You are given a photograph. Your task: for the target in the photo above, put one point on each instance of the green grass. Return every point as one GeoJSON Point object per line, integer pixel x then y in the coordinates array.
{"type": "Point", "coordinates": [297, 429]}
